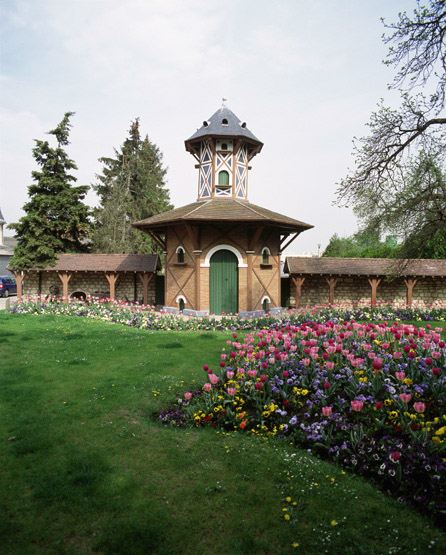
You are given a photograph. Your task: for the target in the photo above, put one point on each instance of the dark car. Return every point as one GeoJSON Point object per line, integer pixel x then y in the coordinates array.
{"type": "Point", "coordinates": [8, 286]}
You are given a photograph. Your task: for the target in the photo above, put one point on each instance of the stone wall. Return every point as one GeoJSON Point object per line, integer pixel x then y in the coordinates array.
{"type": "Point", "coordinates": [91, 283]}
{"type": "Point", "coordinates": [357, 289]}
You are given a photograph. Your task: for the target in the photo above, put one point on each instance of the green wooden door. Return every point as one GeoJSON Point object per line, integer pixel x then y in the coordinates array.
{"type": "Point", "coordinates": [223, 283]}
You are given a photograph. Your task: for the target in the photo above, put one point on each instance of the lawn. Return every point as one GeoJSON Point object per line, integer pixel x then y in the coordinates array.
{"type": "Point", "coordinates": [86, 468]}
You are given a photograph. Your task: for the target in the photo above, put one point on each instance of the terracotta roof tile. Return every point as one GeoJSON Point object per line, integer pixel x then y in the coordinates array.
{"type": "Point", "coordinates": [106, 263]}
{"type": "Point", "coordinates": [222, 210]}
{"type": "Point", "coordinates": [363, 266]}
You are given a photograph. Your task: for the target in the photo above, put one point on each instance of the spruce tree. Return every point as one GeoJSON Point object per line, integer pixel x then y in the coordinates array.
{"type": "Point", "coordinates": [131, 187]}
{"type": "Point", "coordinates": [56, 220]}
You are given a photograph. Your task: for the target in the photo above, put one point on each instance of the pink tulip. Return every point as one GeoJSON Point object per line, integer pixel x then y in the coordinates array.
{"type": "Point", "coordinates": [397, 355]}
{"type": "Point", "coordinates": [405, 397]}
{"type": "Point", "coordinates": [329, 365]}
{"type": "Point", "coordinates": [207, 386]}
{"type": "Point", "coordinates": [419, 407]}
{"type": "Point", "coordinates": [213, 378]}
{"type": "Point", "coordinates": [306, 361]}
{"type": "Point", "coordinates": [326, 411]}
{"type": "Point", "coordinates": [229, 374]}
{"type": "Point", "coordinates": [188, 396]}
{"type": "Point", "coordinates": [435, 354]}
{"type": "Point", "coordinates": [252, 373]}
{"type": "Point", "coordinates": [357, 405]}
{"type": "Point", "coordinates": [400, 376]}
{"type": "Point", "coordinates": [395, 456]}
{"type": "Point", "coordinates": [231, 390]}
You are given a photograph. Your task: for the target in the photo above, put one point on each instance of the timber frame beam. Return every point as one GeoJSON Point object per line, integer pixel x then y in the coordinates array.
{"type": "Point", "coordinates": [284, 243]}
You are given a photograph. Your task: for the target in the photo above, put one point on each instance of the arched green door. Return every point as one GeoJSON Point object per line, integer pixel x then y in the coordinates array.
{"type": "Point", "coordinates": [223, 282]}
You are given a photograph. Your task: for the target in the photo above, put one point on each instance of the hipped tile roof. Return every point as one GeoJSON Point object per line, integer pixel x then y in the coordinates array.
{"type": "Point", "coordinates": [364, 266]}
{"type": "Point", "coordinates": [222, 210]}
{"type": "Point", "coordinates": [105, 263]}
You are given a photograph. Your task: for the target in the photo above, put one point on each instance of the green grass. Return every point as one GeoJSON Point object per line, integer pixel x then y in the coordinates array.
{"type": "Point", "coordinates": [84, 467]}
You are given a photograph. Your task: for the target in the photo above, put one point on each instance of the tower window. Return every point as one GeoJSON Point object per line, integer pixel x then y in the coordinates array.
{"type": "Point", "coordinates": [224, 146]}
{"type": "Point", "coordinates": [224, 121]}
{"type": "Point", "coordinates": [181, 303]}
{"type": "Point", "coordinates": [180, 255]}
{"type": "Point", "coordinates": [223, 178]}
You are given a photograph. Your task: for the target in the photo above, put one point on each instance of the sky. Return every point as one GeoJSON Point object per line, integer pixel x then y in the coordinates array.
{"type": "Point", "coordinates": [304, 75]}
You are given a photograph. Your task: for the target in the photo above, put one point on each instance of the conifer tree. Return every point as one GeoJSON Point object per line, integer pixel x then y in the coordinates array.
{"type": "Point", "coordinates": [56, 219]}
{"type": "Point", "coordinates": [131, 187]}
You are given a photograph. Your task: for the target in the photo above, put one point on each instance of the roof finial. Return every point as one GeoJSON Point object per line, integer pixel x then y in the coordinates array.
{"type": "Point", "coordinates": [223, 103]}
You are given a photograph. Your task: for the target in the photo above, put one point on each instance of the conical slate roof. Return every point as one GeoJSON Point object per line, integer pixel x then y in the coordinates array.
{"type": "Point", "coordinates": [216, 126]}
{"type": "Point", "coordinates": [224, 210]}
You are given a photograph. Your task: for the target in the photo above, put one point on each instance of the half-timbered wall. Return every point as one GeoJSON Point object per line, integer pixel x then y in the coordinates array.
{"type": "Point", "coordinates": [205, 170]}
{"type": "Point", "coordinates": [190, 280]}
{"type": "Point", "coordinates": [357, 289]}
{"type": "Point", "coordinates": [223, 156]}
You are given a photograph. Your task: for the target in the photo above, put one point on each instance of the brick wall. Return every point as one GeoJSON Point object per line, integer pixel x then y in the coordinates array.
{"type": "Point", "coordinates": [357, 289]}
{"type": "Point", "coordinates": [90, 283]}
{"type": "Point", "coordinates": [181, 279]}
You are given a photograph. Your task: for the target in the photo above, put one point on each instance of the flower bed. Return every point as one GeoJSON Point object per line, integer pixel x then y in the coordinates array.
{"type": "Point", "coordinates": [145, 317]}
{"type": "Point", "coordinates": [369, 396]}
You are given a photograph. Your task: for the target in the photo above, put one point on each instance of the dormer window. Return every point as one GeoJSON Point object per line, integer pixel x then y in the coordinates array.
{"type": "Point", "coordinates": [224, 121]}
{"type": "Point", "coordinates": [180, 255]}
{"type": "Point", "coordinates": [224, 146]}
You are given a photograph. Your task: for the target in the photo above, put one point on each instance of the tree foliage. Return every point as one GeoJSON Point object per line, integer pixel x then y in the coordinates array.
{"type": "Point", "coordinates": [131, 187]}
{"type": "Point", "coordinates": [384, 184]}
{"type": "Point", "coordinates": [56, 220]}
{"type": "Point", "coordinates": [363, 244]}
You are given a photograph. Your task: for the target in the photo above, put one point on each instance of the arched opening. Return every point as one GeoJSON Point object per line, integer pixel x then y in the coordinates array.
{"type": "Point", "coordinates": [223, 178]}
{"type": "Point", "coordinates": [224, 121]}
{"type": "Point", "coordinates": [265, 304]}
{"type": "Point", "coordinates": [181, 304]}
{"type": "Point", "coordinates": [223, 282]}
{"type": "Point", "coordinates": [79, 296]}
{"type": "Point", "coordinates": [265, 255]}
{"type": "Point", "coordinates": [224, 146]}
{"type": "Point", "coordinates": [180, 255]}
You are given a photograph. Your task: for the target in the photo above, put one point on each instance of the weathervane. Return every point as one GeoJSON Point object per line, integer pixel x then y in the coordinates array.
{"type": "Point", "coordinates": [223, 104]}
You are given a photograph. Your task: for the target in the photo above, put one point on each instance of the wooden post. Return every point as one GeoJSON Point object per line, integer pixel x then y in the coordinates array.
{"type": "Point", "coordinates": [298, 282]}
{"type": "Point", "coordinates": [145, 279]}
{"type": "Point", "coordinates": [112, 278]}
{"type": "Point", "coordinates": [249, 280]}
{"type": "Point", "coordinates": [410, 284]}
{"type": "Point", "coordinates": [197, 279]}
{"type": "Point", "coordinates": [374, 282]}
{"type": "Point", "coordinates": [19, 277]}
{"type": "Point", "coordinates": [332, 281]}
{"type": "Point", "coordinates": [64, 278]}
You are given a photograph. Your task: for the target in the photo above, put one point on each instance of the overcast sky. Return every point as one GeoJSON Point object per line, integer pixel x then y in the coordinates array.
{"type": "Point", "coordinates": [304, 75]}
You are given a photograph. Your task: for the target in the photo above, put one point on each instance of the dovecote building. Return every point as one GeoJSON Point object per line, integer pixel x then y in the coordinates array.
{"type": "Point", "coordinates": [222, 253]}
